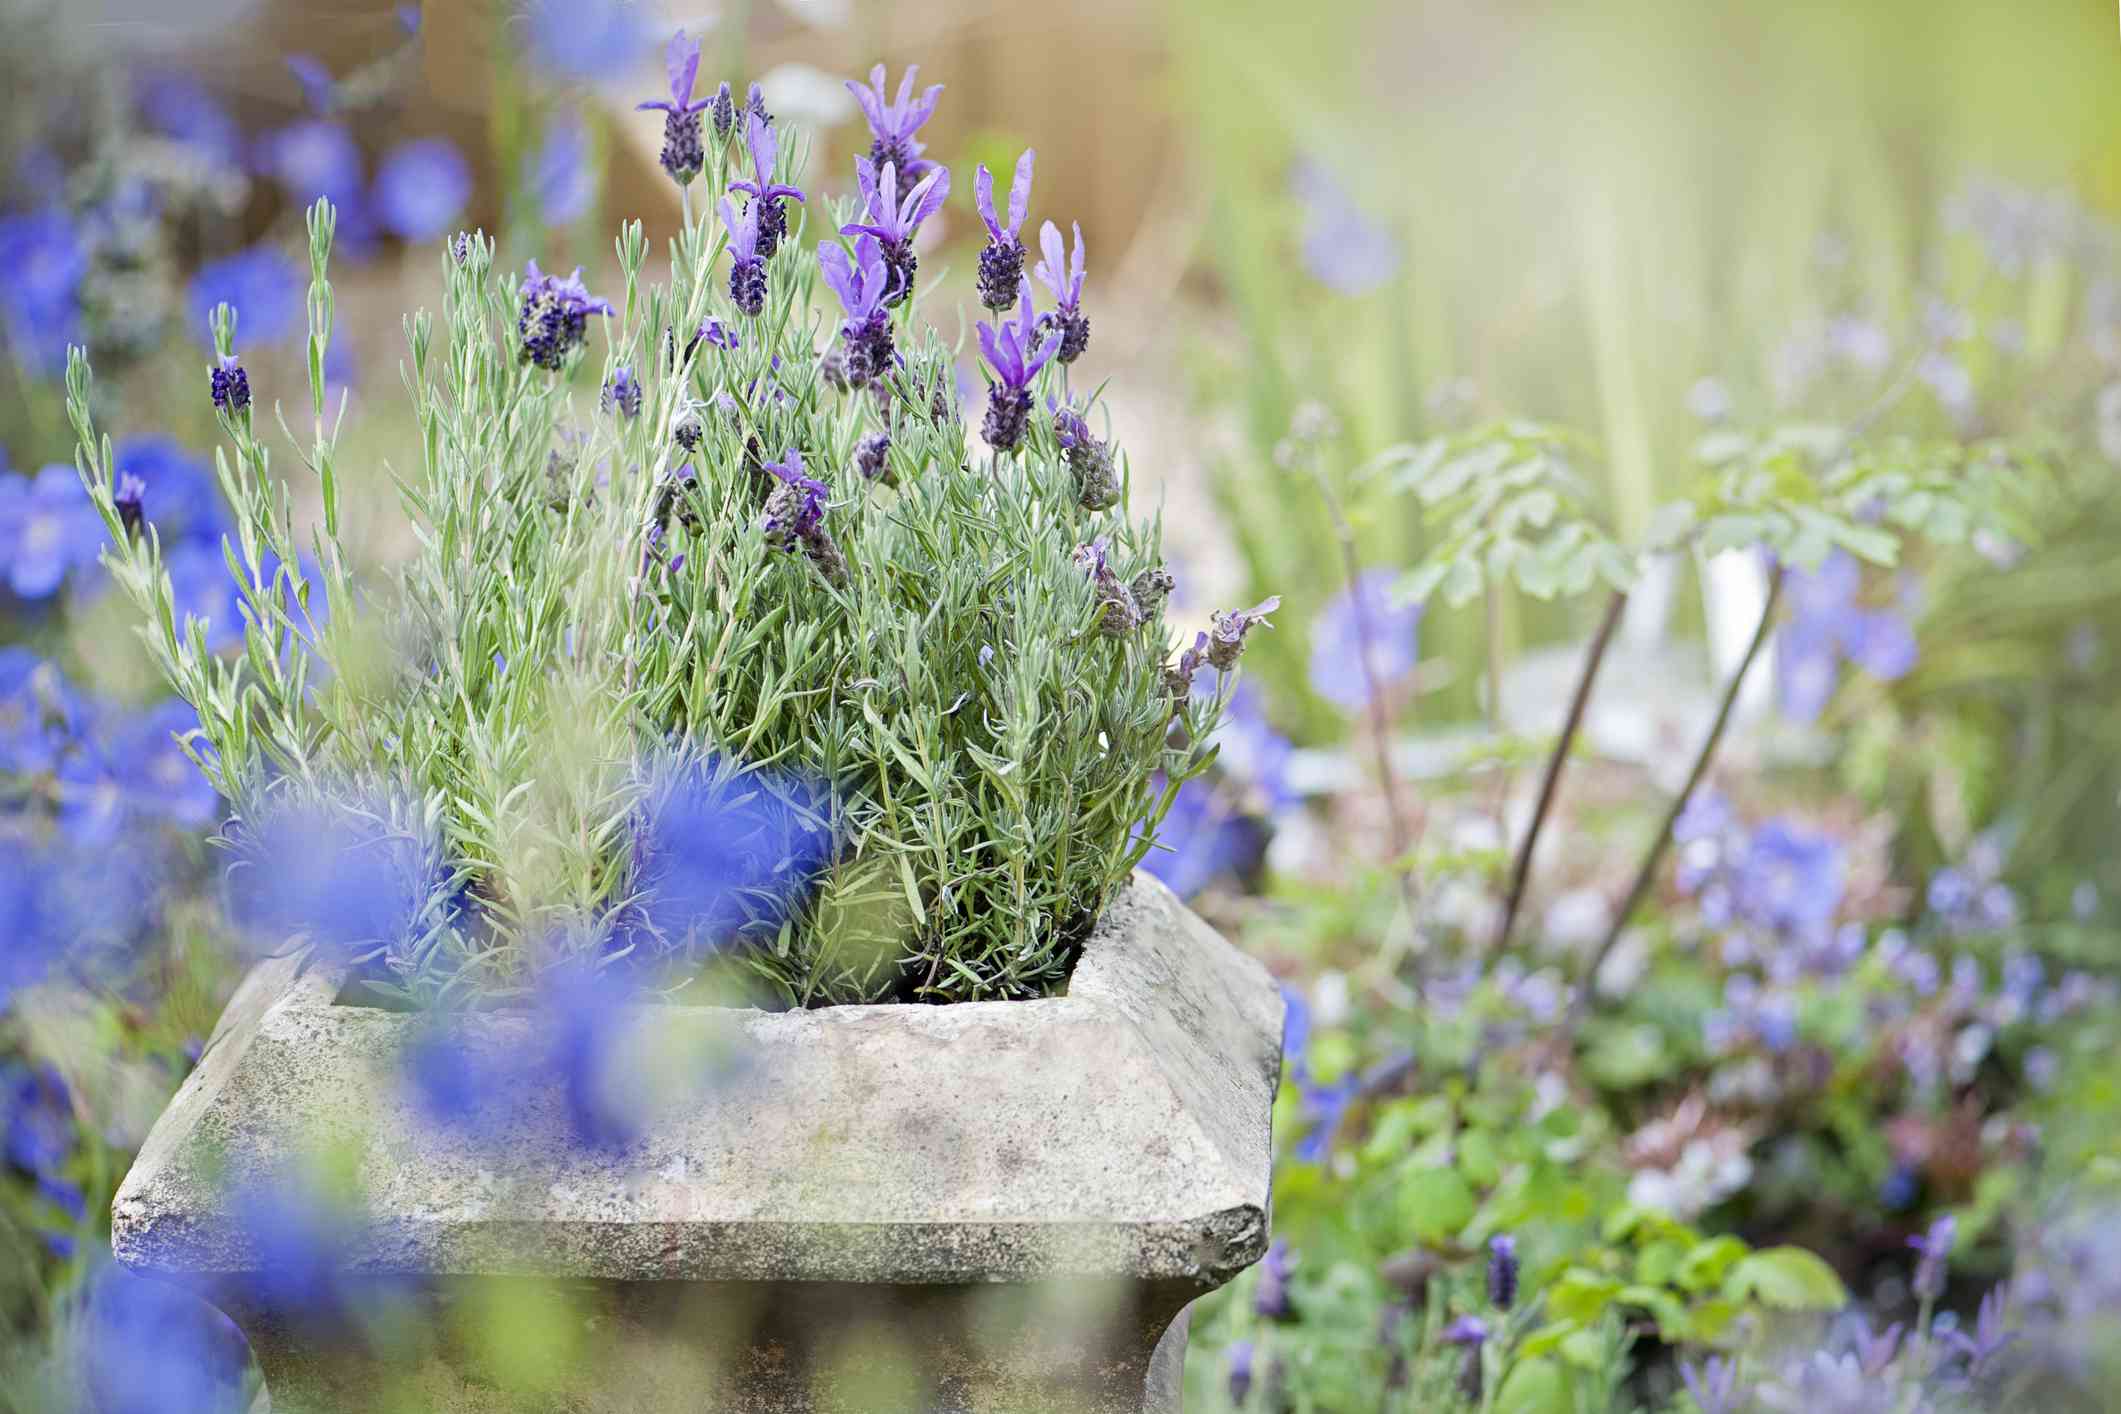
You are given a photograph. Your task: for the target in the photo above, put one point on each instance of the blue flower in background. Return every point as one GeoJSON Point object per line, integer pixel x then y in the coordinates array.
{"type": "Point", "coordinates": [319, 88]}
{"type": "Point", "coordinates": [266, 289]}
{"type": "Point", "coordinates": [1203, 837]}
{"type": "Point", "coordinates": [47, 529]}
{"type": "Point", "coordinates": [38, 712]}
{"type": "Point", "coordinates": [146, 1347]}
{"type": "Point", "coordinates": [586, 39]}
{"type": "Point", "coordinates": [1790, 879]}
{"type": "Point", "coordinates": [183, 110]}
{"type": "Point", "coordinates": [421, 188]}
{"type": "Point", "coordinates": [40, 1119]}
{"type": "Point", "coordinates": [1363, 617]}
{"type": "Point", "coordinates": [200, 585]}
{"type": "Point", "coordinates": [559, 175]}
{"type": "Point", "coordinates": [312, 158]}
{"type": "Point", "coordinates": [1343, 249]}
{"type": "Point", "coordinates": [1826, 625]}
{"type": "Point", "coordinates": [43, 258]}
{"type": "Point", "coordinates": [182, 500]}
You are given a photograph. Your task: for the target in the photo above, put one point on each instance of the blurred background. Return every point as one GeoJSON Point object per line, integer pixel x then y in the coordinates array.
{"type": "Point", "coordinates": [1318, 235]}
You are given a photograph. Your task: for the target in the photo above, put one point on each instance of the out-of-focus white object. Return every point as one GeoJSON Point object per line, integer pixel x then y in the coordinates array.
{"type": "Point", "coordinates": [806, 95]}
{"type": "Point", "coordinates": [821, 14]}
{"type": "Point", "coordinates": [1734, 592]}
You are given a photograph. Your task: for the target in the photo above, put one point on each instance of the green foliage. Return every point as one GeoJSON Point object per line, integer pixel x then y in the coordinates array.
{"type": "Point", "coordinates": [981, 747]}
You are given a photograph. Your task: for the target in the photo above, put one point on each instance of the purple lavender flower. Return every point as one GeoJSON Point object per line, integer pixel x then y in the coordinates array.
{"type": "Point", "coordinates": [893, 220]}
{"type": "Point", "coordinates": [747, 268]}
{"type": "Point", "coordinates": [130, 498]}
{"type": "Point", "coordinates": [1016, 355]}
{"type": "Point", "coordinates": [1828, 624]}
{"type": "Point", "coordinates": [1790, 880]}
{"type": "Point", "coordinates": [893, 123]}
{"type": "Point", "coordinates": [1470, 1334]}
{"type": "Point", "coordinates": [868, 349]}
{"type": "Point", "coordinates": [1990, 1338]}
{"type": "Point", "coordinates": [1502, 1271]}
{"type": "Point", "coordinates": [1118, 613]}
{"type": "Point", "coordinates": [1363, 636]}
{"type": "Point", "coordinates": [872, 457]}
{"type": "Point", "coordinates": [421, 188]}
{"type": "Point", "coordinates": [1934, 1248]}
{"type": "Point", "coordinates": [765, 193]}
{"type": "Point", "coordinates": [1240, 1377]}
{"type": "Point", "coordinates": [1178, 676]}
{"type": "Point", "coordinates": [1096, 480]}
{"type": "Point", "coordinates": [1226, 641]}
{"type": "Point", "coordinates": [229, 386]}
{"type": "Point", "coordinates": [1001, 264]}
{"type": "Point", "coordinates": [721, 111]}
{"type": "Point", "coordinates": [795, 517]}
{"type": "Point", "coordinates": [622, 391]}
{"type": "Point", "coordinates": [1714, 1384]}
{"type": "Point", "coordinates": [555, 316]}
{"type": "Point", "coordinates": [683, 154]}
{"type": "Point", "coordinates": [755, 104]}
{"type": "Point", "coordinates": [1270, 1298]}
{"type": "Point", "coordinates": [1066, 282]}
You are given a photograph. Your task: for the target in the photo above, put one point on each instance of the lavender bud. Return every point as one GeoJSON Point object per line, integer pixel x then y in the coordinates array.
{"type": "Point", "coordinates": [755, 101]}
{"type": "Point", "coordinates": [1001, 271]}
{"type": "Point", "coordinates": [230, 386]}
{"type": "Point", "coordinates": [130, 497]}
{"type": "Point", "coordinates": [1935, 1247]}
{"type": "Point", "coordinates": [1151, 588]}
{"type": "Point", "coordinates": [1008, 411]}
{"type": "Point", "coordinates": [872, 457]}
{"type": "Point", "coordinates": [747, 286]}
{"type": "Point", "coordinates": [1178, 677]}
{"type": "Point", "coordinates": [1240, 1357]}
{"type": "Point", "coordinates": [723, 113]}
{"type": "Point", "coordinates": [688, 434]}
{"type": "Point", "coordinates": [1502, 1272]}
{"type": "Point", "coordinates": [1227, 639]}
{"type": "Point", "coordinates": [621, 392]}
{"type": "Point", "coordinates": [1270, 1299]}
{"type": "Point", "coordinates": [683, 153]}
{"type": "Point", "coordinates": [1120, 613]}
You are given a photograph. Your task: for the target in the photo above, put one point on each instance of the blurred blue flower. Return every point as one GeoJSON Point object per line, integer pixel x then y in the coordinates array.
{"type": "Point", "coordinates": [1323, 1108]}
{"type": "Point", "coordinates": [319, 88]}
{"type": "Point", "coordinates": [146, 1347]}
{"type": "Point", "coordinates": [312, 158]}
{"type": "Point", "coordinates": [1826, 625]}
{"type": "Point", "coordinates": [182, 499]}
{"type": "Point", "coordinates": [200, 585]}
{"type": "Point", "coordinates": [47, 529]}
{"type": "Point", "coordinates": [1203, 838]}
{"type": "Point", "coordinates": [561, 179]}
{"type": "Point", "coordinates": [40, 1119]}
{"type": "Point", "coordinates": [38, 712]}
{"type": "Point", "coordinates": [1362, 635]}
{"type": "Point", "coordinates": [1791, 879]}
{"type": "Point", "coordinates": [181, 108]}
{"type": "Point", "coordinates": [421, 188]}
{"type": "Point", "coordinates": [43, 258]}
{"type": "Point", "coordinates": [1343, 248]}
{"type": "Point", "coordinates": [266, 289]}
{"type": "Point", "coordinates": [586, 39]}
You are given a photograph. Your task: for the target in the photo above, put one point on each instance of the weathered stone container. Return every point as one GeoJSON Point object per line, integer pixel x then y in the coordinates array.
{"type": "Point", "coordinates": [1000, 1206]}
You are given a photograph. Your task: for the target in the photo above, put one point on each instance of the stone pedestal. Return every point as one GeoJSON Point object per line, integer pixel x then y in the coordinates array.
{"type": "Point", "coordinates": [999, 1206]}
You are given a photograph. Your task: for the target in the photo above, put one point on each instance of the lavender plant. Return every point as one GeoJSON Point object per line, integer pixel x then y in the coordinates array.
{"type": "Point", "coordinates": [879, 679]}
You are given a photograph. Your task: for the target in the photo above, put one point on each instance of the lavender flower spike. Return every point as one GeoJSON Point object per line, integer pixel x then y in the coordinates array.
{"type": "Point", "coordinates": [683, 154]}
{"type": "Point", "coordinates": [722, 112]}
{"type": "Point", "coordinates": [893, 123]}
{"type": "Point", "coordinates": [795, 517]}
{"type": "Point", "coordinates": [1066, 282]}
{"type": "Point", "coordinates": [230, 386]}
{"type": "Point", "coordinates": [1001, 264]}
{"type": "Point", "coordinates": [747, 272]}
{"type": "Point", "coordinates": [860, 282]}
{"type": "Point", "coordinates": [1227, 640]}
{"type": "Point", "coordinates": [764, 192]}
{"type": "Point", "coordinates": [1016, 360]}
{"type": "Point", "coordinates": [1935, 1248]}
{"type": "Point", "coordinates": [555, 316]}
{"type": "Point", "coordinates": [893, 220]}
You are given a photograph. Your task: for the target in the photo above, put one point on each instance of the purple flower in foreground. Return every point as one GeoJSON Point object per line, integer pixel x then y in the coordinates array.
{"type": "Point", "coordinates": [893, 219]}
{"type": "Point", "coordinates": [421, 188]}
{"type": "Point", "coordinates": [1001, 264]}
{"type": "Point", "coordinates": [683, 154]}
{"type": "Point", "coordinates": [555, 316]}
{"type": "Point", "coordinates": [893, 123]}
{"type": "Point", "coordinates": [1362, 639]}
{"type": "Point", "coordinates": [765, 193]}
{"type": "Point", "coordinates": [872, 457]}
{"type": "Point", "coordinates": [1502, 1271]}
{"type": "Point", "coordinates": [622, 392]}
{"type": "Point", "coordinates": [146, 1347]}
{"type": "Point", "coordinates": [1066, 282]}
{"type": "Point", "coordinates": [1016, 355]}
{"type": "Point", "coordinates": [1934, 1248]}
{"type": "Point", "coordinates": [229, 386]}
{"type": "Point", "coordinates": [1713, 1384]}
{"type": "Point", "coordinates": [747, 268]}
{"type": "Point", "coordinates": [1990, 1338]}
{"type": "Point", "coordinates": [868, 349]}
{"type": "Point", "coordinates": [1226, 641]}
{"type": "Point", "coordinates": [47, 529]}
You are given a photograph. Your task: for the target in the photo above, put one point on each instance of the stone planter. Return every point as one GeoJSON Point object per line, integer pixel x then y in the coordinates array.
{"type": "Point", "coordinates": [987, 1206]}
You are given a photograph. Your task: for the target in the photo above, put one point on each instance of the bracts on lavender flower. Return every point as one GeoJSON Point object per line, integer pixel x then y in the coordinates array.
{"type": "Point", "coordinates": [622, 393]}
{"type": "Point", "coordinates": [1178, 676]}
{"type": "Point", "coordinates": [893, 219]}
{"type": "Point", "coordinates": [747, 268]}
{"type": "Point", "coordinates": [1013, 351]}
{"type": "Point", "coordinates": [1150, 589]}
{"type": "Point", "coordinates": [721, 111]}
{"type": "Point", "coordinates": [764, 192]}
{"type": "Point", "coordinates": [1226, 640]}
{"type": "Point", "coordinates": [866, 347]}
{"type": "Point", "coordinates": [1066, 282]}
{"type": "Point", "coordinates": [555, 316]}
{"type": "Point", "coordinates": [872, 458]}
{"type": "Point", "coordinates": [1001, 264]}
{"type": "Point", "coordinates": [893, 123]}
{"type": "Point", "coordinates": [683, 155]}
{"type": "Point", "coordinates": [1118, 613]}
{"type": "Point", "coordinates": [1096, 482]}
{"type": "Point", "coordinates": [755, 104]}
{"type": "Point", "coordinates": [230, 386]}
{"type": "Point", "coordinates": [795, 518]}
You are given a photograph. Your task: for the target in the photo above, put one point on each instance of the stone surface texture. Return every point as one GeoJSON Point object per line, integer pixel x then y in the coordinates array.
{"type": "Point", "coordinates": [985, 1206]}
